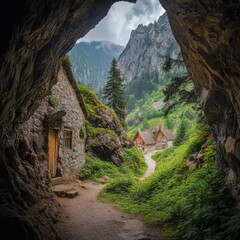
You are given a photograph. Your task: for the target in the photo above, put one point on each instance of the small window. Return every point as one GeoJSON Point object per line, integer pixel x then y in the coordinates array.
{"type": "Point", "coordinates": [67, 139]}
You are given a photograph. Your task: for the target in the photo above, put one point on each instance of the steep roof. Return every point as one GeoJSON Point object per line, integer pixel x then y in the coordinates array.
{"type": "Point", "coordinates": [73, 83]}
{"type": "Point", "coordinates": [147, 136]}
{"type": "Point", "coordinates": [168, 134]}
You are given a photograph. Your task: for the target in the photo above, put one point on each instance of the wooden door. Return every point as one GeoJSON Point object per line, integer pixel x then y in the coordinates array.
{"type": "Point", "coordinates": [52, 152]}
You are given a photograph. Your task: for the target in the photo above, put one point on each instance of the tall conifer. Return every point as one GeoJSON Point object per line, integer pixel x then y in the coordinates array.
{"type": "Point", "coordinates": [113, 92]}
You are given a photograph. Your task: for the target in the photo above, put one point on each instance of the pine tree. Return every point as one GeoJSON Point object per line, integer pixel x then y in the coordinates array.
{"type": "Point", "coordinates": [113, 92]}
{"type": "Point", "coordinates": [180, 89]}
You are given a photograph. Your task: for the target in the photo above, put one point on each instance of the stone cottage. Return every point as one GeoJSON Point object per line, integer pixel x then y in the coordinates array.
{"type": "Point", "coordinates": [58, 128]}
{"type": "Point", "coordinates": [164, 136]}
{"type": "Point", "coordinates": [144, 140]}
{"type": "Point", "coordinates": [154, 140]}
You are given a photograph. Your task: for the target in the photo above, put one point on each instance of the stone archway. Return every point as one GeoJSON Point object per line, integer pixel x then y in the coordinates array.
{"type": "Point", "coordinates": [36, 35]}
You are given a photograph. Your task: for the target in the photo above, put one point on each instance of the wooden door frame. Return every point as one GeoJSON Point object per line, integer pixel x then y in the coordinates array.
{"type": "Point", "coordinates": [56, 151]}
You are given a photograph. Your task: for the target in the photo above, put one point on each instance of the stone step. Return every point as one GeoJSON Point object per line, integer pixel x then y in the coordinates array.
{"type": "Point", "coordinates": [63, 190]}
{"type": "Point", "coordinates": [56, 181]}
{"type": "Point", "coordinates": [72, 194]}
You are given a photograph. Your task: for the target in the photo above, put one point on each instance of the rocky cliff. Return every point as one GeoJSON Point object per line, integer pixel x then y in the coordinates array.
{"type": "Point", "coordinates": [208, 33]}
{"type": "Point", "coordinates": [147, 48]}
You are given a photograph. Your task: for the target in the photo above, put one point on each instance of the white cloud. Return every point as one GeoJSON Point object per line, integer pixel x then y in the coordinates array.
{"type": "Point", "coordinates": [122, 18]}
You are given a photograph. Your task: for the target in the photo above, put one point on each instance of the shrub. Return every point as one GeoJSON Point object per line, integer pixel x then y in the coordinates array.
{"type": "Point", "coordinates": [134, 165]}
{"type": "Point", "coordinates": [120, 186]}
{"type": "Point", "coordinates": [53, 101]}
{"type": "Point", "coordinates": [67, 59]}
{"type": "Point", "coordinates": [134, 161]}
{"type": "Point", "coordinates": [82, 133]}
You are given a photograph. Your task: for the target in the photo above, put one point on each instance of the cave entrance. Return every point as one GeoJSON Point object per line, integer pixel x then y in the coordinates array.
{"type": "Point", "coordinates": [52, 151]}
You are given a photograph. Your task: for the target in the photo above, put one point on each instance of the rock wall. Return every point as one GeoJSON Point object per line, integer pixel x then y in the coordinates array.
{"type": "Point", "coordinates": [106, 137]}
{"type": "Point", "coordinates": [27, 207]}
{"type": "Point", "coordinates": [208, 33]}
{"type": "Point", "coordinates": [35, 37]}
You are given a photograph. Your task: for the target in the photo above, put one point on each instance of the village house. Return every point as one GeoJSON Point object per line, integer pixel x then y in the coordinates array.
{"type": "Point", "coordinates": [58, 128]}
{"type": "Point", "coordinates": [164, 136]}
{"type": "Point", "coordinates": [144, 140]}
{"type": "Point", "coordinates": [153, 140]}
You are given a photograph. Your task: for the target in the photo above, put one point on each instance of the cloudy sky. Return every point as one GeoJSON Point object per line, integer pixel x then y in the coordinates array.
{"type": "Point", "coordinates": [122, 18]}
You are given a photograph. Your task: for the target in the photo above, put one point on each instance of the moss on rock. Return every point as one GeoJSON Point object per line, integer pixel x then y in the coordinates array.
{"type": "Point", "coordinates": [105, 136]}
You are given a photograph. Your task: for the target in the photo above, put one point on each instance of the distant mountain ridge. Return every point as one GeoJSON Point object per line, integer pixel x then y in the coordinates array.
{"type": "Point", "coordinates": [91, 61]}
{"type": "Point", "coordinates": [146, 49]}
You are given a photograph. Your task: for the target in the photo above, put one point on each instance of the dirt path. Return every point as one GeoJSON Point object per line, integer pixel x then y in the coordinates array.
{"type": "Point", "coordinates": [151, 165]}
{"type": "Point", "coordinates": [86, 218]}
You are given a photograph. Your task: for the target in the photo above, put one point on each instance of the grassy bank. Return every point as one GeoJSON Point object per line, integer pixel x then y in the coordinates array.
{"type": "Point", "coordinates": [134, 166]}
{"type": "Point", "coordinates": [189, 199]}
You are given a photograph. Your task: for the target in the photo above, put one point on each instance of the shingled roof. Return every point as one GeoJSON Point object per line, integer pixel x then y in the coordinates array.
{"type": "Point", "coordinates": [168, 134]}
{"type": "Point", "coordinates": [73, 83]}
{"type": "Point", "coordinates": [147, 137]}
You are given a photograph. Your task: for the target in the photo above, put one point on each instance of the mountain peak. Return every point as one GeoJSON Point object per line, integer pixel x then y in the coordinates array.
{"type": "Point", "coordinates": [146, 48]}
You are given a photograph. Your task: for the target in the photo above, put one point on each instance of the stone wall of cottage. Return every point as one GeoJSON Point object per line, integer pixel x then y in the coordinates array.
{"type": "Point", "coordinates": [69, 160]}
{"type": "Point", "coordinates": [151, 148]}
{"type": "Point", "coordinates": [36, 130]}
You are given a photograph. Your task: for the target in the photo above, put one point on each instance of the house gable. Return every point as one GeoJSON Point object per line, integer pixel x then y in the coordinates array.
{"type": "Point", "coordinates": [73, 83]}
{"type": "Point", "coordinates": [71, 153]}
{"type": "Point", "coordinates": [159, 135]}
{"type": "Point", "coordinates": [69, 116]}
{"type": "Point", "coordinates": [139, 140]}
{"type": "Point", "coordinates": [164, 133]}
{"type": "Point", "coordinates": [146, 136]}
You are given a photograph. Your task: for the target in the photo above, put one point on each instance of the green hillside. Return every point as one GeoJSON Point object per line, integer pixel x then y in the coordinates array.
{"type": "Point", "coordinates": [92, 60]}
{"type": "Point", "coordinates": [148, 113]}
{"type": "Point", "coordinates": [190, 199]}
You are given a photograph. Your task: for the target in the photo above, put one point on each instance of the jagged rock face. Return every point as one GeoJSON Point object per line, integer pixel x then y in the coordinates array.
{"type": "Point", "coordinates": [108, 142]}
{"type": "Point", "coordinates": [208, 33]}
{"type": "Point", "coordinates": [34, 37]}
{"type": "Point", "coordinates": [105, 136]}
{"type": "Point", "coordinates": [147, 48]}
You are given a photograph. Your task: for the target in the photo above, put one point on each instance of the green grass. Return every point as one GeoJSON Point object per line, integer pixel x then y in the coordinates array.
{"type": "Point", "coordinates": [95, 168]}
{"type": "Point", "coordinates": [92, 103]}
{"type": "Point", "coordinates": [189, 202]}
